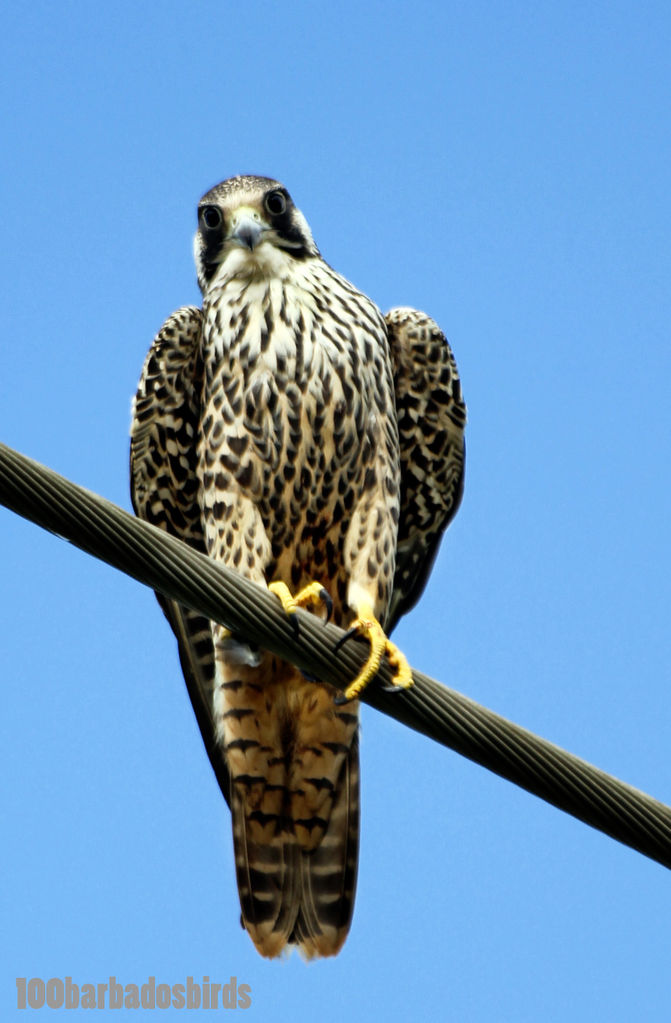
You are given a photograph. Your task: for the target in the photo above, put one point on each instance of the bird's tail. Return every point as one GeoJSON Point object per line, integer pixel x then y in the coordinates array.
{"type": "Point", "coordinates": [296, 817]}
{"type": "Point", "coordinates": [328, 872]}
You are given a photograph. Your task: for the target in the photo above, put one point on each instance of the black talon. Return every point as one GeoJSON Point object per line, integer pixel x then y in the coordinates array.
{"type": "Point", "coordinates": [309, 678]}
{"type": "Point", "coordinates": [294, 624]}
{"type": "Point", "coordinates": [350, 634]}
{"type": "Point", "coordinates": [340, 700]}
{"type": "Point", "coordinates": [325, 597]}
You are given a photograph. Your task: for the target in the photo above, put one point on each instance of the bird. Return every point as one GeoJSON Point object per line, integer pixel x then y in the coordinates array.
{"type": "Point", "coordinates": [292, 432]}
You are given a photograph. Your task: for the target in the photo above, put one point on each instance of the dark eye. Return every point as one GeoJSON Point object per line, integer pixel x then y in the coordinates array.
{"type": "Point", "coordinates": [211, 217]}
{"type": "Point", "coordinates": [275, 203]}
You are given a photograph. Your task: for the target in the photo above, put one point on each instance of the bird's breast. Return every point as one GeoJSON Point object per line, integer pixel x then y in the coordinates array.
{"type": "Point", "coordinates": [294, 396]}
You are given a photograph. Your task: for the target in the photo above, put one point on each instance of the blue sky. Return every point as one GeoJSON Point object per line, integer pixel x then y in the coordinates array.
{"type": "Point", "coordinates": [505, 167]}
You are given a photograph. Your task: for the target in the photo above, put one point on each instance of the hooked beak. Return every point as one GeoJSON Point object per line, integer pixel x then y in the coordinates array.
{"type": "Point", "coordinates": [247, 228]}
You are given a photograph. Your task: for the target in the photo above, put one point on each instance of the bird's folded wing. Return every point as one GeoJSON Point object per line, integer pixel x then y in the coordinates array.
{"type": "Point", "coordinates": [431, 420]}
{"type": "Point", "coordinates": [164, 491]}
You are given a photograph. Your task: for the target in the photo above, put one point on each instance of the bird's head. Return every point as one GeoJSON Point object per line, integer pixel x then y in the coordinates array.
{"type": "Point", "coordinates": [251, 225]}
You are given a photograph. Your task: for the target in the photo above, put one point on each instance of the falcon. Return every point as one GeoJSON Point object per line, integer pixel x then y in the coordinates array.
{"type": "Point", "coordinates": [292, 432]}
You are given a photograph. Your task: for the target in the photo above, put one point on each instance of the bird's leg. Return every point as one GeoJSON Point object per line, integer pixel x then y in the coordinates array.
{"type": "Point", "coordinates": [309, 597]}
{"type": "Point", "coordinates": [366, 624]}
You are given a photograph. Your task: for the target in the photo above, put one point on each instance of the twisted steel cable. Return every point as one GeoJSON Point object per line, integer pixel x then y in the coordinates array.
{"type": "Point", "coordinates": [166, 564]}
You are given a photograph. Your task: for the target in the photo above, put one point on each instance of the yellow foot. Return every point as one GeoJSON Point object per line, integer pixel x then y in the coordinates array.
{"type": "Point", "coordinates": [309, 597]}
{"type": "Point", "coordinates": [367, 625]}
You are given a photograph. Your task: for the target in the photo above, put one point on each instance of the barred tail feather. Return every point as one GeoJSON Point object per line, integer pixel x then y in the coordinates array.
{"type": "Point", "coordinates": [328, 873]}
{"type": "Point", "coordinates": [290, 895]}
{"type": "Point", "coordinates": [268, 878]}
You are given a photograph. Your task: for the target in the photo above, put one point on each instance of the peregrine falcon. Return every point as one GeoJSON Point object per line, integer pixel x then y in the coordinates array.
{"type": "Point", "coordinates": [295, 434]}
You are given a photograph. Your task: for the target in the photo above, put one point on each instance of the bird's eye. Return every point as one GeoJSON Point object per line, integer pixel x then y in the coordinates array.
{"type": "Point", "coordinates": [211, 217]}
{"type": "Point", "coordinates": [275, 203]}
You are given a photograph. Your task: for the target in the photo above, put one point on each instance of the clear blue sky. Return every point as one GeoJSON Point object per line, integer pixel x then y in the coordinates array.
{"type": "Point", "coordinates": [504, 166]}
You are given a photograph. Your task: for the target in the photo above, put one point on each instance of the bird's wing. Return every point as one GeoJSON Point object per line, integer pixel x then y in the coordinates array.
{"type": "Point", "coordinates": [431, 421]}
{"type": "Point", "coordinates": [164, 485]}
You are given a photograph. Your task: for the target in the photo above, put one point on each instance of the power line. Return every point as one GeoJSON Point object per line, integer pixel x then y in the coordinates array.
{"type": "Point", "coordinates": [166, 564]}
